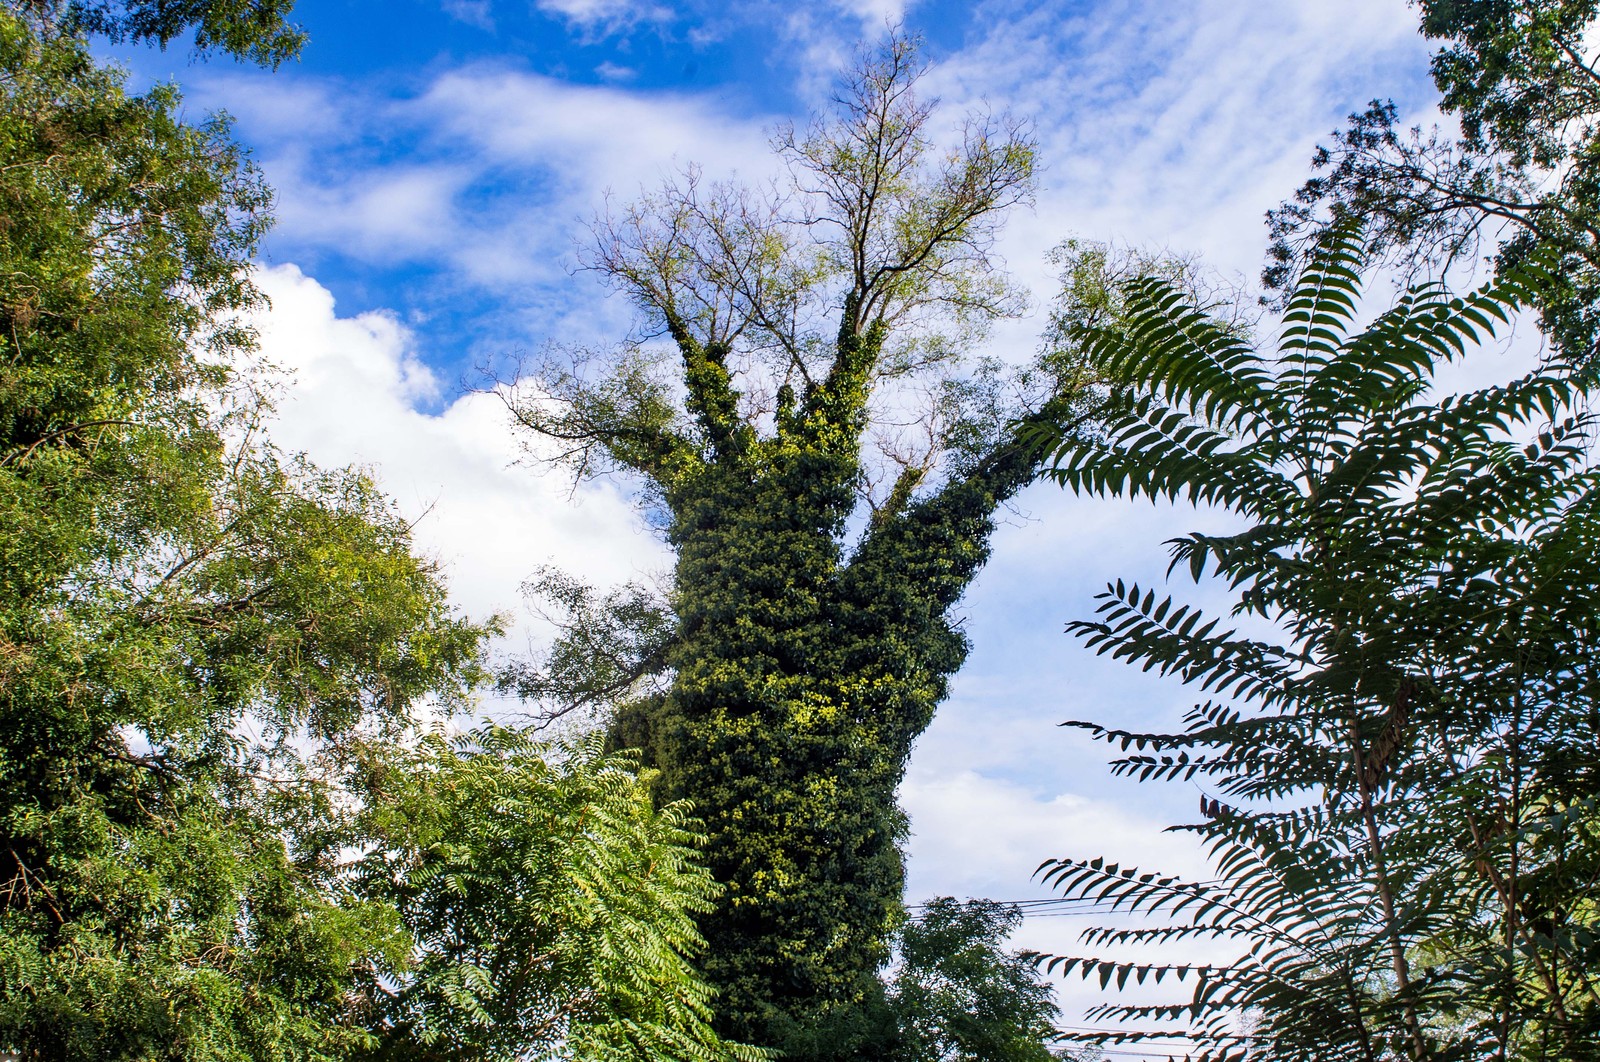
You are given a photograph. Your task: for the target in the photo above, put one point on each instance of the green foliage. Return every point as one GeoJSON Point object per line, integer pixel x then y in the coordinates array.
{"type": "Point", "coordinates": [192, 625]}
{"type": "Point", "coordinates": [254, 30]}
{"type": "Point", "coordinates": [552, 907]}
{"type": "Point", "coordinates": [1520, 76]}
{"type": "Point", "coordinates": [800, 666]}
{"type": "Point", "coordinates": [215, 841]}
{"type": "Point", "coordinates": [1397, 753]}
{"type": "Point", "coordinates": [953, 993]}
{"type": "Point", "coordinates": [958, 996]}
{"type": "Point", "coordinates": [800, 682]}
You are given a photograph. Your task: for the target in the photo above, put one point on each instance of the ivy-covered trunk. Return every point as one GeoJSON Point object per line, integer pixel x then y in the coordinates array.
{"type": "Point", "coordinates": [803, 674]}
{"type": "Point", "coordinates": [809, 635]}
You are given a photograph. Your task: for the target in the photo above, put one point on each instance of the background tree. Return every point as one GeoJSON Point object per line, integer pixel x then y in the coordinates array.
{"type": "Point", "coordinates": [957, 994]}
{"type": "Point", "coordinates": [1521, 76]}
{"type": "Point", "coordinates": [827, 469]}
{"type": "Point", "coordinates": [1398, 758]}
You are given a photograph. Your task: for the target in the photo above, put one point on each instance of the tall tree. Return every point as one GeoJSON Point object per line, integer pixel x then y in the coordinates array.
{"type": "Point", "coordinates": [183, 609]}
{"type": "Point", "coordinates": [1523, 79]}
{"type": "Point", "coordinates": [219, 838]}
{"type": "Point", "coordinates": [811, 631]}
{"type": "Point", "coordinates": [1397, 750]}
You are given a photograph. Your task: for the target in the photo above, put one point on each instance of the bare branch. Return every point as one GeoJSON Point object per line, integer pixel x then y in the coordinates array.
{"type": "Point", "coordinates": [868, 266]}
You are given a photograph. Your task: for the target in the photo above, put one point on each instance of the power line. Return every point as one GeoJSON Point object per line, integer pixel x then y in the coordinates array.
{"type": "Point", "coordinates": [1049, 900]}
{"type": "Point", "coordinates": [1077, 1029]}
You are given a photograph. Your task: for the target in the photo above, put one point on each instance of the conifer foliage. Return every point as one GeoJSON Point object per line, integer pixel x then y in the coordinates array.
{"type": "Point", "coordinates": [1396, 750]}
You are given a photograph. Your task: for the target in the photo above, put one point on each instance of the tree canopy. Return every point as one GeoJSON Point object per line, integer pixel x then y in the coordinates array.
{"type": "Point", "coordinates": [179, 604]}
{"type": "Point", "coordinates": [1520, 77]}
{"type": "Point", "coordinates": [257, 31]}
{"type": "Point", "coordinates": [222, 835]}
{"type": "Point", "coordinates": [550, 903]}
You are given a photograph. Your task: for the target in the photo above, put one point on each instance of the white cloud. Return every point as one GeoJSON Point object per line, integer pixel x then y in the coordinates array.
{"type": "Point", "coordinates": [974, 834]}
{"type": "Point", "coordinates": [495, 173]}
{"type": "Point", "coordinates": [875, 13]}
{"type": "Point", "coordinates": [395, 213]}
{"type": "Point", "coordinates": [472, 12]}
{"type": "Point", "coordinates": [588, 136]}
{"type": "Point", "coordinates": [1179, 125]}
{"type": "Point", "coordinates": [612, 72]}
{"type": "Point", "coordinates": [604, 16]}
{"type": "Point", "coordinates": [830, 35]}
{"type": "Point", "coordinates": [978, 835]}
{"type": "Point", "coordinates": [352, 399]}
{"type": "Point", "coordinates": [574, 143]}
{"type": "Point", "coordinates": [268, 107]}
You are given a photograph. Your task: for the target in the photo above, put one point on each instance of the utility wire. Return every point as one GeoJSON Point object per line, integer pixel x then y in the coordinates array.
{"type": "Point", "coordinates": [1049, 900]}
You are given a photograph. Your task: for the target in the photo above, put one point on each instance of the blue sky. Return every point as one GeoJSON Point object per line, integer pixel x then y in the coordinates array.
{"type": "Point", "coordinates": [358, 107]}
{"type": "Point", "coordinates": [436, 158]}
{"type": "Point", "coordinates": [436, 161]}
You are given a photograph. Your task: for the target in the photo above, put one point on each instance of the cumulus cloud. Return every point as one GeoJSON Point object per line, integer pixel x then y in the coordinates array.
{"type": "Point", "coordinates": [979, 835]}
{"type": "Point", "coordinates": [353, 395]}
{"type": "Point", "coordinates": [484, 180]}
{"type": "Point", "coordinates": [974, 834]}
{"type": "Point", "coordinates": [399, 213]}
{"type": "Point", "coordinates": [590, 137]}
